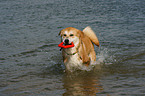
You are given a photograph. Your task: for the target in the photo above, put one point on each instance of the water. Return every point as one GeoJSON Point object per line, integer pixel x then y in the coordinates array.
{"type": "Point", "coordinates": [31, 63]}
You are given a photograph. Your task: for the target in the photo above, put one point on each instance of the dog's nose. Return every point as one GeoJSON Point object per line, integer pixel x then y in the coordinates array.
{"type": "Point", "coordinates": [66, 41]}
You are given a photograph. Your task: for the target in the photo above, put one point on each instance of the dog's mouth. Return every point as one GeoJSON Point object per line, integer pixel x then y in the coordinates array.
{"type": "Point", "coordinates": [67, 42]}
{"type": "Point", "coordinates": [62, 45]}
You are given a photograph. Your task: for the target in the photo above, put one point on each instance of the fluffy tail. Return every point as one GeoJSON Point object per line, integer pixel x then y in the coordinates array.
{"type": "Point", "coordinates": [90, 33]}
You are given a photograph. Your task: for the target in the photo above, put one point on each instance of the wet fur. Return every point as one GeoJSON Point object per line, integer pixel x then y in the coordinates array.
{"type": "Point", "coordinates": [84, 48]}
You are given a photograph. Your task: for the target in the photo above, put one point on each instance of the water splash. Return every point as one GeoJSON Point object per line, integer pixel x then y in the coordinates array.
{"type": "Point", "coordinates": [105, 56]}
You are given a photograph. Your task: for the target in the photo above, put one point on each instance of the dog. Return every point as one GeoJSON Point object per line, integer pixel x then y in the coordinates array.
{"type": "Point", "coordinates": [82, 54]}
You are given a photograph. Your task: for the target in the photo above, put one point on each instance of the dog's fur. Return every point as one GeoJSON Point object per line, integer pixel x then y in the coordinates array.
{"type": "Point", "coordinates": [82, 54]}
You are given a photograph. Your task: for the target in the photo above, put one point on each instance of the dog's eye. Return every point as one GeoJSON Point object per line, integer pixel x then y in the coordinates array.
{"type": "Point", "coordinates": [64, 34]}
{"type": "Point", "coordinates": [71, 34]}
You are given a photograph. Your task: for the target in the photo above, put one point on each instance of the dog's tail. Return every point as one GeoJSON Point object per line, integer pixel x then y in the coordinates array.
{"type": "Point", "coordinates": [90, 33]}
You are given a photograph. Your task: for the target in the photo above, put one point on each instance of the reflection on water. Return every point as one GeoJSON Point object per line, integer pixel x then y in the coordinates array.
{"type": "Point", "coordinates": [83, 84]}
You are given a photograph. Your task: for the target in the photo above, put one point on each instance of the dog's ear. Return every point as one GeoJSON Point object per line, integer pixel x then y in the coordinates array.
{"type": "Point", "coordinates": [60, 33]}
{"type": "Point", "coordinates": [81, 35]}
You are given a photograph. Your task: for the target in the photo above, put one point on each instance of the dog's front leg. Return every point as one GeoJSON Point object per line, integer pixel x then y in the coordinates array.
{"type": "Point", "coordinates": [85, 57]}
{"type": "Point", "coordinates": [65, 59]}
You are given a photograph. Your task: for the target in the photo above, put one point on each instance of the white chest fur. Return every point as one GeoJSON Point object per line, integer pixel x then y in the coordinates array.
{"type": "Point", "coordinates": [73, 60]}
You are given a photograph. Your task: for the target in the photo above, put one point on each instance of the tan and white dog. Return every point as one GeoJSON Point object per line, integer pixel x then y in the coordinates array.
{"type": "Point", "coordinates": [82, 54]}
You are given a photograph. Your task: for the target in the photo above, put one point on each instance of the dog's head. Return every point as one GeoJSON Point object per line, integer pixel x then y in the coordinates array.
{"type": "Point", "coordinates": [70, 35]}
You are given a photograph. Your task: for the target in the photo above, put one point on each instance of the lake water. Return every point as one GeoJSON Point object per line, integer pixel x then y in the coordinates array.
{"type": "Point", "coordinates": [31, 63]}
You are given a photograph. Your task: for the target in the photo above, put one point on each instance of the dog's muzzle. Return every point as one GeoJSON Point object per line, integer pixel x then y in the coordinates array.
{"type": "Point", "coordinates": [66, 41]}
